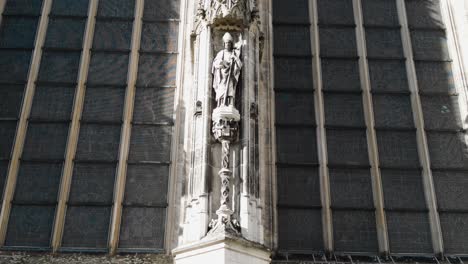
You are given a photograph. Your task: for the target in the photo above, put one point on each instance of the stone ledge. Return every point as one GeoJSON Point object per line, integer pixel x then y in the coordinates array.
{"type": "Point", "coordinates": [222, 249]}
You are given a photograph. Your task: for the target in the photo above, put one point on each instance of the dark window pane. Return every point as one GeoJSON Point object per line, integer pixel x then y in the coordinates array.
{"type": "Point", "coordinates": [92, 183]}
{"type": "Point", "coordinates": [450, 187]}
{"type": "Point", "coordinates": [3, 176]}
{"type": "Point", "coordinates": [59, 66]}
{"type": "Point", "coordinates": [354, 231]}
{"type": "Point", "coordinates": [347, 147]}
{"type": "Point", "coordinates": [113, 35]}
{"type": "Point", "coordinates": [65, 33]}
{"type": "Point", "coordinates": [409, 232]}
{"type": "Point", "coordinates": [292, 11]}
{"type": "Point", "coordinates": [98, 142]}
{"type": "Point", "coordinates": [424, 14]}
{"type": "Point", "coordinates": [340, 75]}
{"type": "Point", "coordinates": [160, 36]}
{"type": "Point", "coordinates": [45, 141]}
{"type": "Point", "coordinates": [398, 149]}
{"type": "Point", "coordinates": [70, 7]}
{"type": "Point", "coordinates": [403, 189]}
{"type": "Point", "coordinates": [38, 182]}
{"type": "Point", "coordinates": [300, 229]}
{"type": "Point", "coordinates": [338, 42]}
{"type": "Point", "coordinates": [23, 7]}
{"type": "Point", "coordinates": [298, 186]}
{"type": "Point", "coordinates": [351, 188]}
{"type": "Point", "coordinates": [154, 105]}
{"type": "Point", "coordinates": [161, 9]}
{"type": "Point", "coordinates": [116, 8]}
{"type": "Point", "coordinates": [7, 135]}
{"type": "Point", "coordinates": [296, 145]}
{"type": "Point", "coordinates": [14, 65]}
{"type": "Point", "coordinates": [108, 68]}
{"type": "Point", "coordinates": [18, 32]}
{"type": "Point", "coordinates": [384, 43]}
{"type": "Point", "coordinates": [157, 70]}
{"type": "Point", "coordinates": [150, 143]}
{"type": "Point", "coordinates": [293, 73]}
{"type": "Point", "coordinates": [11, 97]}
{"type": "Point", "coordinates": [441, 112]}
{"type": "Point", "coordinates": [295, 108]}
{"type": "Point", "coordinates": [30, 226]}
{"type": "Point", "coordinates": [343, 109]}
{"type": "Point", "coordinates": [430, 45]}
{"type": "Point", "coordinates": [454, 230]}
{"type": "Point", "coordinates": [146, 184]}
{"type": "Point", "coordinates": [447, 150]}
{"type": "Point", "coordinates": [380, 13]}
{"type": "Point", "coordinates": [388, 76]}
{"type": "Point", "coordinates": [291, 40]}
{"type": "Point", "coordinates": [53, 103]}
{"type": "Point", "coordinates": [435, 77]}
{"type": "Point", "coordinates": [142, 228]}
{"type": "Point", "coordinates": [86, 226]}
{"type": "Point", "coordinates": [393, 111]}
{"type": "Point", "coordinates": [335, 12]}
{"type": "Point", "coordinates": [103, 104]}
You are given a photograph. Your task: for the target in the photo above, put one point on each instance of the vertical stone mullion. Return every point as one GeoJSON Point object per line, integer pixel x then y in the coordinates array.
{"type": "Point", "coordinates": [377, 190]}
{"type": "Point", "coordinates": [74, 127]}
{"type": "Point", "coordinates": [204, 90]}
{"type": "Point", "coordinates": [268, 126]}
{"type": "Point", "coordinates": [23, 120]}
{"type": "Point", "coordinates": [2, 8]}
{"type": "Point", "coordinates": [126, 128]}
{"type": "Point", "coordinates": [423, 150]}
{"type": "Point", "coordinates": [173, 206]}
{"type": "Point", "coordinates": [327, 221]}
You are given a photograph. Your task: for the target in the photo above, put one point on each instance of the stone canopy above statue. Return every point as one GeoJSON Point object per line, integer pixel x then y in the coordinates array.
{"type": "Point", "coordinates": [228, 12]}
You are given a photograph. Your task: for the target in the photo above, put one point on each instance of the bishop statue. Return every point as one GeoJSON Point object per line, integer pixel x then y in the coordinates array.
{"type": "Point", "coordinates": [226, 71]}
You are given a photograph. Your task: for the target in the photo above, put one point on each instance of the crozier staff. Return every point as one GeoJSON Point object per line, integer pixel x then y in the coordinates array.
{"type": "Point", "coordinates": [226, 70]}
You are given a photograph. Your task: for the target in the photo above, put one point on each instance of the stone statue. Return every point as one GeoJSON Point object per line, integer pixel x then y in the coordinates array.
{"type": "Point", "coordinates": [226, 70]}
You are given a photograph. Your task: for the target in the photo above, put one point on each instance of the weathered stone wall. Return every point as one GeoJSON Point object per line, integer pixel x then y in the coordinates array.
{"type": "Point", "coordinates": [22, 258]}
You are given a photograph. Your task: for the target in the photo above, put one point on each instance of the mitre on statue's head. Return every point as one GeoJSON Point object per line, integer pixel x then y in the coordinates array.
{"type": "Point", "coordinates": [227, 37]}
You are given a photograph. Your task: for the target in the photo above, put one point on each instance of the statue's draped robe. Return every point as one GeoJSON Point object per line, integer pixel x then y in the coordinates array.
{"type": "Point", "coordinates": [225, 79]}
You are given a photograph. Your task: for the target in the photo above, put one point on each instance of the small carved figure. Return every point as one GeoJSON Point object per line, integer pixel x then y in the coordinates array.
{"type": "Point", "coordinates": [226, 70]}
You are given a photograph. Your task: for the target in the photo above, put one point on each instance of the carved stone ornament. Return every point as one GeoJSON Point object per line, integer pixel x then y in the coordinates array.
{"type": "Point", "coordinates": [226, 71]}
{"type": "Point", "coordinates": [225, 124]}
{"type": "Point", "coordinates": [229, 13]}
{"type": "Point", "coordinates": [233, 10]}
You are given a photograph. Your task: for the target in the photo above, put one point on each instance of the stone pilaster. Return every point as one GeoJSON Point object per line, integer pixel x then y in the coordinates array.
{"type": "Point", "coordinates": [223, 176]}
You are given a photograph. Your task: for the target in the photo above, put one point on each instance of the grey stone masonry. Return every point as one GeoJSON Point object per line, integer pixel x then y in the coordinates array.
{"type": "Point", "coordinates": [22, 258]}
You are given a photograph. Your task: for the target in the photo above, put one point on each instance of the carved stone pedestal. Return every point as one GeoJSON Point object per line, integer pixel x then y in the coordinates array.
{"type": "Point", "coordinates": [225, 130]}
{"type": "Point", "coordinates": [224, 224]}
{"type": "Point", "coordinates": [222, 249]}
